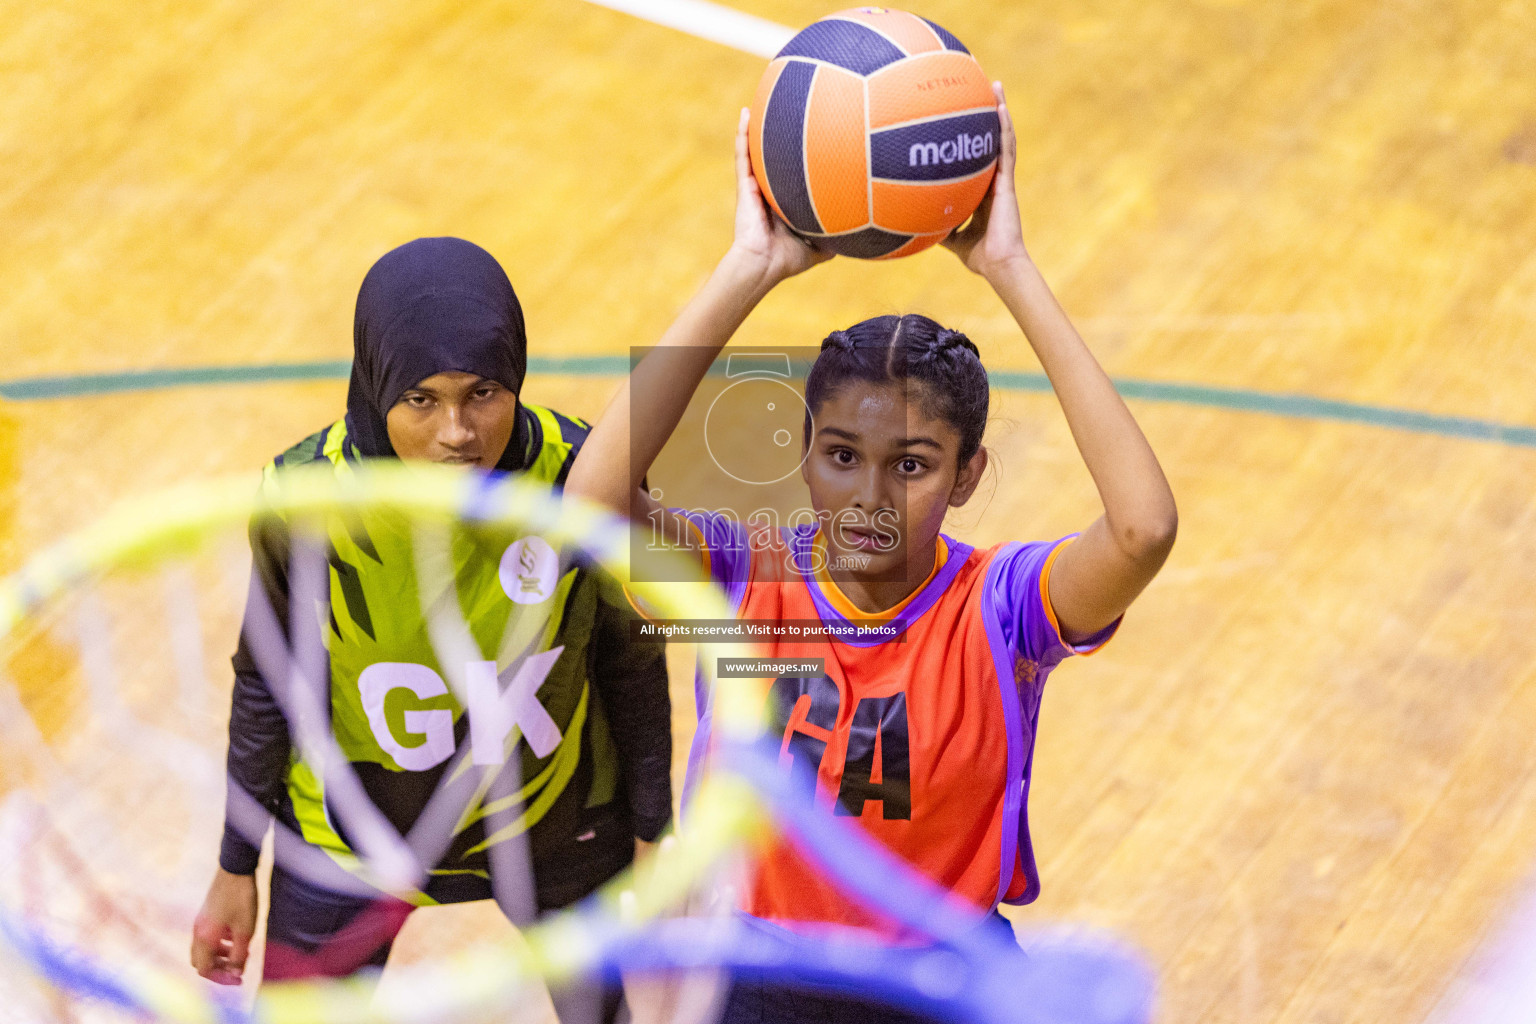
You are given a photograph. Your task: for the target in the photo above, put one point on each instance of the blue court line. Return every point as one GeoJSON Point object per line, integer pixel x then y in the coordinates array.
{"type": "Point", "coordinates": [27, 389]}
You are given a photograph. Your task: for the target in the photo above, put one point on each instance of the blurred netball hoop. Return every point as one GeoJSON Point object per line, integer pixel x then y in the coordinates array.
{"type": "Point", "coordinates": [1499, 984]}
{"type": "Point", "coordinates": [112, 713]}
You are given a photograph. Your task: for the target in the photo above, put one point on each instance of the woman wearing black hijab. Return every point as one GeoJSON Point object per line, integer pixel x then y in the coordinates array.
{"type": "Point", "coordinates": [440, 356]}
{"type": "Point", "coordinates": [431, 307]}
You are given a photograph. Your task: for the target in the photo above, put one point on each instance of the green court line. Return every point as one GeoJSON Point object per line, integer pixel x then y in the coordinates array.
{"type": "Point", "coordinates": [88, 385]}
{"type": "Point", "coordinates": [1296, 406]}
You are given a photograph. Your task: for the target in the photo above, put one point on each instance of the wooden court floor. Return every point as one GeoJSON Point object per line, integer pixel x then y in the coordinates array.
{"type": "Point", "coordinates": [1302, 779]}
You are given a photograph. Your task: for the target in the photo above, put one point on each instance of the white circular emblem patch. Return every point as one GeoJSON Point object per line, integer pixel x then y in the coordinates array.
{"type": "Point", "coordinates": [529, 569]}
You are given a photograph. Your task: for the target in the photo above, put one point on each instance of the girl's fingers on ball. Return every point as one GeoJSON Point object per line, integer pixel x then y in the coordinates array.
{"type": "Point", "coordinates": [743, 162]}
{"type": "Point", "coordinates": [1010, 143]}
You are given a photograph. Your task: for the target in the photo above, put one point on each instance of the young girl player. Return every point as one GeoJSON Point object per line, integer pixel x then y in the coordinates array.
{"type": "Point", "coordinates": [926, 742]}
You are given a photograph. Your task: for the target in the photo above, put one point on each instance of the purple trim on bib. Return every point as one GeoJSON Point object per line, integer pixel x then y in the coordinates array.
{"type": "Point", "coordinates": [800, 548]}
{"type": "Point", "coordinates": [731, 566]}
{"type": "Point", "coordinates": [697, 750]}
{"type": "Point", "coordinates": [1016, 788]}
{"type": "Point", "coordinates": [730, 552]}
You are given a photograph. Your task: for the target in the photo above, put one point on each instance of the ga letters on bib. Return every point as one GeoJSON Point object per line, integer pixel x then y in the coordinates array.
{"type": "Point", "coordinates": [923, 735]}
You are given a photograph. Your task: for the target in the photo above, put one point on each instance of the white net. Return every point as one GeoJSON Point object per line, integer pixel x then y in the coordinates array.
{"type": "Point", "coordinates": [113, 714]}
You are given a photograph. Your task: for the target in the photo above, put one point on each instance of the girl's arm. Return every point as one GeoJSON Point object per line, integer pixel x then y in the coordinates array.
{"type": "Point", "coordinates": [257, 760]}
{"type": "Point", "coordinates": [641, 417]}
{"type": "Point", "coordinates": [1097, 577]}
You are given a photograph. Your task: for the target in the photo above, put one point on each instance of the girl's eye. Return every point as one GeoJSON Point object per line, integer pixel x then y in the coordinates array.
{"type": "Point", "coordinates": [417, 401]}
{"type": "Point", "coordinates": [488, 391]}
{"type": "Point", "coordinates": [909, 466]}
{"type": "Point", "coordinates": [842, 456]}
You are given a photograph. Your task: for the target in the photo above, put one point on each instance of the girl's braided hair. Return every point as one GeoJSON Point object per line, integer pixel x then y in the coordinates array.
{"type": "Point", "coordinates": [883, 349]}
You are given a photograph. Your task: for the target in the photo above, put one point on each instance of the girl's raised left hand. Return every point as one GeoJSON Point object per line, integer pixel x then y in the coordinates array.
{"type": "Point", "coordinates": [762, 239]}
{"type": "Point", "coordinates": [993, 239]}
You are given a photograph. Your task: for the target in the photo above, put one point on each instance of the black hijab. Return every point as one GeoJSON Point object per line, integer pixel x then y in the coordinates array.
{"type": "Point", "coordinates": [431, 306]}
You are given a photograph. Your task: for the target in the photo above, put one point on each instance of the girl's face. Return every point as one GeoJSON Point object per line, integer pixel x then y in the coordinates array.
{"type": "Point", "coordinates": [882, 473]}
{"type": "Point", "coordinates": [455, 418]}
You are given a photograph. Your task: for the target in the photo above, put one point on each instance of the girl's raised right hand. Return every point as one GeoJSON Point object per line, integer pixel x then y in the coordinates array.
{"type": "Point", "coordinates": [763, 241]}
